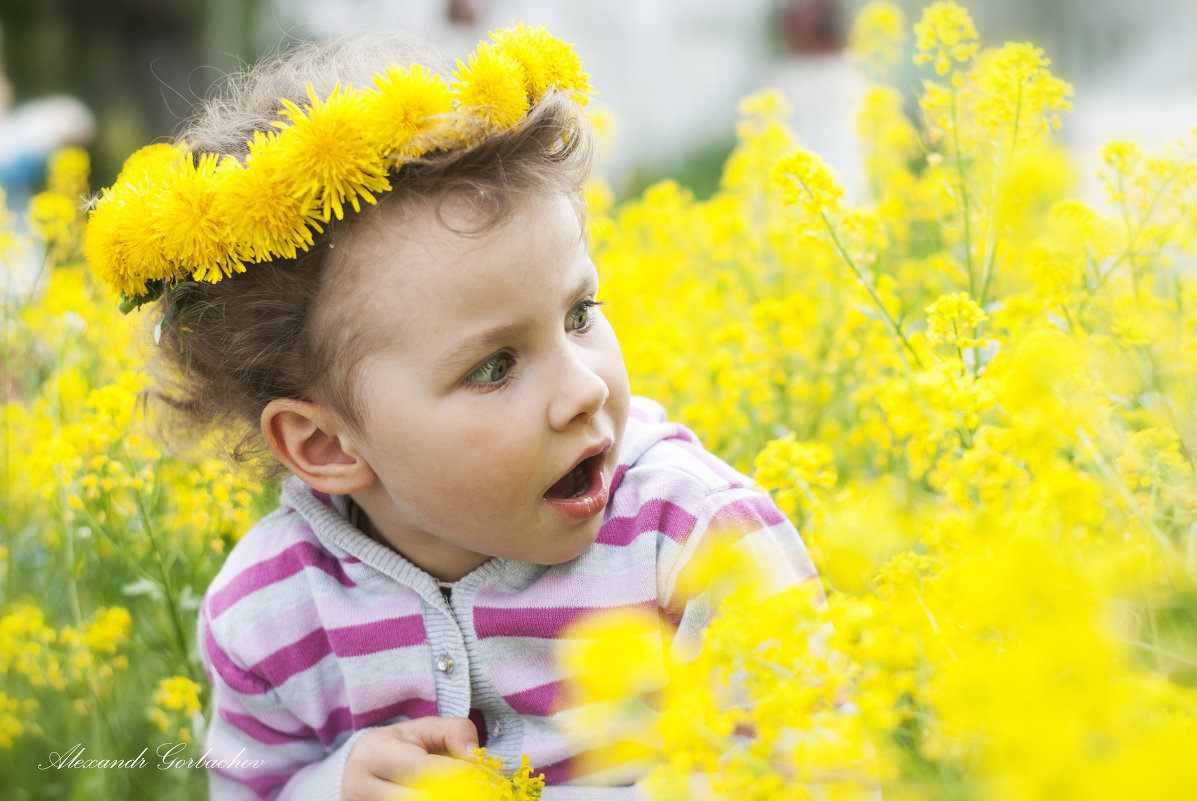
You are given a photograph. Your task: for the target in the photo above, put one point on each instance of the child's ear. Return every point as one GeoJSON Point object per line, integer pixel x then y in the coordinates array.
{"type": "Point", "coordinates": [312, 443]}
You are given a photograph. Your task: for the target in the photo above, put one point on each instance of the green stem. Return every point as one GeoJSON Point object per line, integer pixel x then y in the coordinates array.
{"type": "Point", "coordinates": [1073, 325]}
{"type": "Point", "coordinates": [70, 531]}
{"type": "Point", "coordinates": [991, 237]}
{"type": "Point", "coordinates": [1132, 236]}
{"type": "Point", "coordinates": [1161, 653]}
{"type": "Point", "coordinates": [167, 584]}
{"type": "Point", "coordinates": [1153, 624]}
{"type": "Point", "coordinates": [959, 350]}
{"type": "Point", "coordinates": [893, 324]}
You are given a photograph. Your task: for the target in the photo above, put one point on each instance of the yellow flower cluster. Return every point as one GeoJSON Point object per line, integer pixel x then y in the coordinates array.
{"type": "Point", "coordinates": [975, 396]}
{"type": "Point", "coordinates": [175, 706]}
{"type": "Point", "coordinates": [36, 656]}
{"type": "Point", "coordinates": [945, 34]}
{"type": "Point", "coordinates": [173, 215]}
{"type": "Point", "coordinates": [949, 316]}
{"type": "Point", "coordinates": [484, 779]}
{"type": "Point", "coordinates": [876, 40]}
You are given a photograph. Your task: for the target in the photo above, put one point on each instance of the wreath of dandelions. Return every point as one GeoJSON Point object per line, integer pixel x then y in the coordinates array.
{"type": "Point", "coordinates": [173, 216]}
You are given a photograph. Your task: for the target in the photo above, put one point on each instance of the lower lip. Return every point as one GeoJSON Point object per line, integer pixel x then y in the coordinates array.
{"type": "Point", "coordinates": [587, 505]}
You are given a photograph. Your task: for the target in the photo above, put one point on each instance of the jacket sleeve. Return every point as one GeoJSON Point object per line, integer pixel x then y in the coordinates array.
{"type": "Point", "coordinates": [257, 748]}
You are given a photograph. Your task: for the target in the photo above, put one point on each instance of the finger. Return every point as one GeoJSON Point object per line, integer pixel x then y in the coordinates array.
{"type": "Point", "coordinates": [405, 763]}
{"type": "Point", "coordinates": [456, 737]}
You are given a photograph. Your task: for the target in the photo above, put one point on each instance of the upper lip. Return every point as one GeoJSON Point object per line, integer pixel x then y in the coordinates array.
{"type": "Point", "coordinates": [593, 450]}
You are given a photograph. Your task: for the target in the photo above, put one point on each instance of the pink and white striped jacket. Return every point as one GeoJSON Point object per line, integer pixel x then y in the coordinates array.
{"type": "Point", "coordinates": [312, 632]}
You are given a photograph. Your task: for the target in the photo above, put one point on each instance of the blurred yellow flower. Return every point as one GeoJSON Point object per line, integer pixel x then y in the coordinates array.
{"type": "Point", "coordinates": [945, 34]}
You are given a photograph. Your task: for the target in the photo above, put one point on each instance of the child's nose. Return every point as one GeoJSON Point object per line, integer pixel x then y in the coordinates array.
{"type": "Point", "coordinates": [579, 392]}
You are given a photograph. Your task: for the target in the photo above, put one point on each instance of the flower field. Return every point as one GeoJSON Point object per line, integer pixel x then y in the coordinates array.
{"type": "Point", "coordinates": [974, 394]}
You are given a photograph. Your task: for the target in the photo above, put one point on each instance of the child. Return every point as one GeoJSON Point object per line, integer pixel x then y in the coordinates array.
{"type": "Point", "coordinates": [384, 281]}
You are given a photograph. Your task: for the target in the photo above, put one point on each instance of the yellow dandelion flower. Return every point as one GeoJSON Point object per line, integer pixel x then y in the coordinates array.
{"type": "Point", "coordinates": [566, 70]}
{"type": "Point", "coordinates": [407, 104]}
{"type": "Point", "coordinates": [121, 243]}
{"type": "Point", "coordinates": [547, 62]}
{"type": "Point", "coordinates": [149, 164]}
{"type": "Point", "coordinates": [531, 48]}
{"type": "Point", "coordinates": [262, 206]}
{"type": "Point", "coordinates": [329, 142]}
{"type": "Point", "coordinates": [491, 87]}
{"type": "Point", "coordinates": [191, 234]}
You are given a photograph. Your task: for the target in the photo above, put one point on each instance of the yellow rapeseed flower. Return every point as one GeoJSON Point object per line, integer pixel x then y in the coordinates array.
{"type": "Point", "coordinates": [950, 316]}
{"type": "Point", "coordinates": [109, 628]}
{"type": "Point", "coordinates": [614, 655]}
{"type": "Point", "coordinates": [807, 182]}
{"type": "Point", "coordinates": [52, 214]}
{"type": "Point", "coordinates": [944, 35]}
{"type": "Point", "coordinates": [68, 172]}
{"type": "Point", "coordinates": [178, 694]}
{"type": "Point", "coordinates": [877, 36]}
{"type": "Point", "coordinates": [1019, 91]}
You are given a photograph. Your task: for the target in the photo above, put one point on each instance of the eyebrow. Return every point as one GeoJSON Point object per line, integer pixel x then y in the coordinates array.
{"type": "Point", "coordinates": [465, 353]}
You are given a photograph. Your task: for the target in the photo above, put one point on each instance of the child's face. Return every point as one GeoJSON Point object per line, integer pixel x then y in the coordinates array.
{"type": "Point", "coordinates": [490, 376]}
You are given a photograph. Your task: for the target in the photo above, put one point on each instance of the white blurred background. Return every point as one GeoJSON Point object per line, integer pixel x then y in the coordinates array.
{"type": "Point", "coordinates": [671, 71]}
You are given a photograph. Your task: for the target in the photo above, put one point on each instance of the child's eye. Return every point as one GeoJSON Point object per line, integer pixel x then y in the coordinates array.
{"type": "Point", "coordinates": [492, 372]}
{"type": "Point", "coordinates": [579, 316]}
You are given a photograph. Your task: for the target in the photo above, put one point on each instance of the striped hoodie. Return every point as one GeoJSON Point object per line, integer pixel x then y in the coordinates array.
{"type": "Point", "coordinates": [312, 632]}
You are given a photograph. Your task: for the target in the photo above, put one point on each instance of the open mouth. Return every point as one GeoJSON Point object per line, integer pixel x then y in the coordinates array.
{"type": "Point", "coordinates": [582, 492]}
{"type": "Point", "coordinates": [576, 482]}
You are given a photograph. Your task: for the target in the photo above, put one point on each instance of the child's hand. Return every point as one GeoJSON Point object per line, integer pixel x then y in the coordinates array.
{"type": "Point", "coordinates": [401, 753]}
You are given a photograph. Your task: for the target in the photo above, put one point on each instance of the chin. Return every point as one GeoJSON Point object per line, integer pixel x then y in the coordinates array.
{"type": "Point", "coordinates": [566, 556]}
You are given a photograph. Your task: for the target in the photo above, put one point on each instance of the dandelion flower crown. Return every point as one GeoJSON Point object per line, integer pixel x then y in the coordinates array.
{"type": "Point", "coordinates": [173, 215]}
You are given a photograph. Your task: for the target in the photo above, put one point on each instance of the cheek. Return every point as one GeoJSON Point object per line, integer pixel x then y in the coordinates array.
{"type": "Point", "coordinates": [497, 446]}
